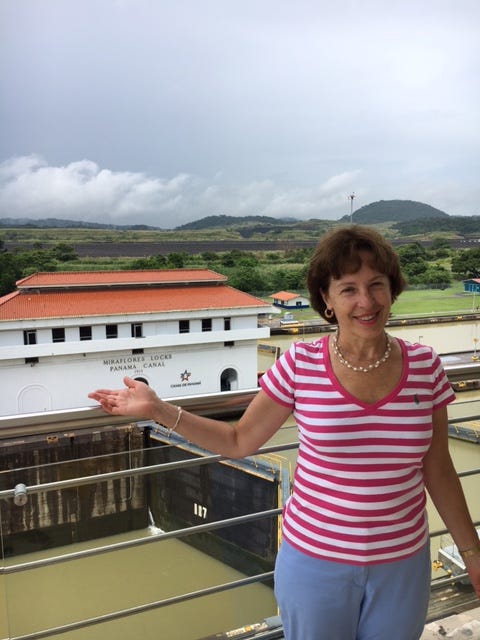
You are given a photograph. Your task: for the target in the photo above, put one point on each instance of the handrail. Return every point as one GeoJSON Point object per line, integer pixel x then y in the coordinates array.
{"type": "Point", "coordinates": [116, 615]}
{"type": "Point", "coordinates": [161, 467]}
{"type": "Point", "coordinates": [460, 420]}
{"type": "Point", "coordinates": [180, 533]}
{"type": "Point", "coordinates": [123, 613]}
{"type": "Point", "coordinates": [137, 542]}
{"type": "Point", "coordinates": [139, 471]}
{"type": "Point", "coordinates": [224, 403]}
{"type": "Point", "coordinates": [176, 534]}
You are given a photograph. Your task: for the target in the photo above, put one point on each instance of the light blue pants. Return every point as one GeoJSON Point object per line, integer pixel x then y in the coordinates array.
{"type": "Point", "coordinates": [322, 600]}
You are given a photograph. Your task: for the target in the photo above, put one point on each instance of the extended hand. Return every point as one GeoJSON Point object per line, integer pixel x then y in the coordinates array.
{"type": "Point", "coordinates": [135, 399]}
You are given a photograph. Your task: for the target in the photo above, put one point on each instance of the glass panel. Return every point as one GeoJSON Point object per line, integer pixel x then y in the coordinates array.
{"type": "Point", "coordinates": [52, 573]}
{"type": "Point", "coordinates": [39, 537]}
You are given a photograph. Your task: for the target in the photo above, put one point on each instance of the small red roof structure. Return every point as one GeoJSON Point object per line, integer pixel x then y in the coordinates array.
{"type": "Point", "coordinates": [289, 300]}
{"type": "Point", "coordinates": [284, 296]}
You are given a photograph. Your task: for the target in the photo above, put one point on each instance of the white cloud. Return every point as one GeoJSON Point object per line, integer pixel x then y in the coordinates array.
{"type": "Point", "coordinates": [247, 107]}
{"type": "Point", "coordinates": [29, 187]}
{"type": "Point", "coordinates": [81, 190]}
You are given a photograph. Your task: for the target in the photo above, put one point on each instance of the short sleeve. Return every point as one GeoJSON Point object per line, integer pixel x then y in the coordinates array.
{"type": "Point", "coordinates": [443, 393]}
{"type": "Point", "coordinates": [279, 381]}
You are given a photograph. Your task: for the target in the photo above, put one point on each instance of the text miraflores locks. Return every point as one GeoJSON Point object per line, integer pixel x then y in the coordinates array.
{"type": "Point", "coordinates": [130, 363]}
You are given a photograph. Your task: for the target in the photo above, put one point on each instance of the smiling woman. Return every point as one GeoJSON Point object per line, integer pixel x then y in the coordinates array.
{"type": "Point", "coordinates": [372, 422]}
{"type": "Point", "coordinates": [344, 251]}
{"type": "Point", "coordinates": [354, 277]}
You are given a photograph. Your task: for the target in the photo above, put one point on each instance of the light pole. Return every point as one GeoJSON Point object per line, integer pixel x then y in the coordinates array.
{"type": "Point", "coordinates": [351, 197]}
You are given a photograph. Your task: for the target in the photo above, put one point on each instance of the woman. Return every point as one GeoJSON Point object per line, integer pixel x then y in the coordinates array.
{"type": "Point", "coordinates": [354, 563]}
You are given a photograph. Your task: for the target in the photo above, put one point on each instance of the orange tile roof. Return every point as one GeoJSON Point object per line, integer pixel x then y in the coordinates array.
{"type": "Point", "coordinates": [284, 295]}
{"type": "Point", "coordinates": [67, 304]}
{"type": "Point", "coordinates": [97, 278]}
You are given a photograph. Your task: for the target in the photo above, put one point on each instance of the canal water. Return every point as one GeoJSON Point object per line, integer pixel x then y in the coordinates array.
{"type": "Point", "coordinates": [63, 593]}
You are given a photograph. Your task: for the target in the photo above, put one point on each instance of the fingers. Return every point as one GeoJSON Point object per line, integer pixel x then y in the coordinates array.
{"type": "Point", "coordinates": [111, 399]}
{"type": "Point", "coordinates": [100, 393]}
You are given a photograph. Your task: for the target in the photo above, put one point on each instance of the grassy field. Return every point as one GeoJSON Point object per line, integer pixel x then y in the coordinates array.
{"type": "Point", "coordinates": [433, 301]}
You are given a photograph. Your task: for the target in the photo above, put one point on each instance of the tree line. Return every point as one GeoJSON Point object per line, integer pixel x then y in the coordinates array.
{"type": "Point", "coordinates": [253, 272]}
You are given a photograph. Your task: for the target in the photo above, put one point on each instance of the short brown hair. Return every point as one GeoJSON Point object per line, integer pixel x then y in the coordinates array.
{"type": "Point", "coordinates": [337, 253]}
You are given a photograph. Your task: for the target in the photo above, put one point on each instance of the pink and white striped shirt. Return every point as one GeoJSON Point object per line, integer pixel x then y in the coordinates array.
{"type": "Point", "coordinates": [358, 491]}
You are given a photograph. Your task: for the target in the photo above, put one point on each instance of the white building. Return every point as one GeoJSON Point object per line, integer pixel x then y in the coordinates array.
{"type": "Point", "coordinates": [288, 300]}
{"type": "Point", "coordinates": [182, 331]}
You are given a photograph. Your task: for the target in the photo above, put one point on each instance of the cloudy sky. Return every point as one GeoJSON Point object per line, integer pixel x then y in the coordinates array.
{"type": "Point", "coordinates": [165, 111]}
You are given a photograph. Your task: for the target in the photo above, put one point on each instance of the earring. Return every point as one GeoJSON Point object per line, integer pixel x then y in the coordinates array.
{"type": "Point", "coordinates": [328, 313]}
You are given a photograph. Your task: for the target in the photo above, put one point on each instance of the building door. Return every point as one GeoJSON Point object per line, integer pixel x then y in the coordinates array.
{"type": "Point", "coordinates": [229, 380]}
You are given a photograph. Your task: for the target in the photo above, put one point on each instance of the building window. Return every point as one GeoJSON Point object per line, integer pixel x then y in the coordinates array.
{"type": "Point", "coordinates": [136, 352]}
{"type": "Point", "coordinates": [227, 324]}
{"type": "Point", "coordinates": [31, 361]}
{"type": "Point", "coordinates": [229, 343]}
{"type": "Point", "coordinates": [30, 336]}
{"type": "Point", "coordinates": [111, 331]}
{"type": "Point", "coordinates": [137, 330]}
{"type": "Point", "coordinates": [207, 324]}
{"type": "Point", "coordinates": [58, 334]}
{"type": "Point", "coordinates": [184, 326]}
{"type": "Point", "coordinates": [86, 333]}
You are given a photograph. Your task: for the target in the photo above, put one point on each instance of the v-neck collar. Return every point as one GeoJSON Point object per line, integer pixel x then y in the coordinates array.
{"type": "Point", "coordinates": [349, 396]}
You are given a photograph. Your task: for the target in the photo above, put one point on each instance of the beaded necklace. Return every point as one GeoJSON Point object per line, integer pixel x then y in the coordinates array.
{"type": "Point", "coordinates": [373, 365]}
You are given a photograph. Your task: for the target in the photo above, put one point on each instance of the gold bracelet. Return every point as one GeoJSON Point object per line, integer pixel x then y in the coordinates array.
{"type": "Point", "coordinates": [470, 552]}
{"type": "Point", "coordinates": [179, 415]}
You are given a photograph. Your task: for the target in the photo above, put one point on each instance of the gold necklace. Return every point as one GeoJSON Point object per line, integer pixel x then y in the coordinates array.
{"type": "Point", "coordinates": [373, 365]}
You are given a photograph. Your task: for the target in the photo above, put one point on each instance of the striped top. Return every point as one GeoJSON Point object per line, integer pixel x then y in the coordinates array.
{"type": "Point", "coordinates": [358, 491]}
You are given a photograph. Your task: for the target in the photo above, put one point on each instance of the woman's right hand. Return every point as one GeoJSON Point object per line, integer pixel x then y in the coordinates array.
{"type": "Point", "coordinates": [135, 399]}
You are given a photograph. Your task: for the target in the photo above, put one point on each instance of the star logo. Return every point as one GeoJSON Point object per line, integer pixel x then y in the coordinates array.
{"type": "Point", "coordinates": [184, 377]}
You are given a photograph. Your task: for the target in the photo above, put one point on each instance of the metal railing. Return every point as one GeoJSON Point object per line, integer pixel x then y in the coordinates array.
{"type": "Point", "coordinates": [78, 420]}
{"type": "Point", "coordinates": [93, 417]}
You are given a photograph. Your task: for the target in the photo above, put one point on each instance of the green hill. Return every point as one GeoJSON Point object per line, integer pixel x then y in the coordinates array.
{"type": "Point", "coordinates": [461, 225]}
{"type": "Point", "coordinates": [59, 223]}
{"type": "Point", "coordinates": [394, 211]}
{"type": "Point", "coordinates": [224, 222]}
{"type": "Point", "coordinates": [391, 211]}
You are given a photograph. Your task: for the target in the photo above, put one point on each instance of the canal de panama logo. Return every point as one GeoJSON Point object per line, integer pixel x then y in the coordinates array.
{"type": "Point", "coordinates": [185, 380]}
